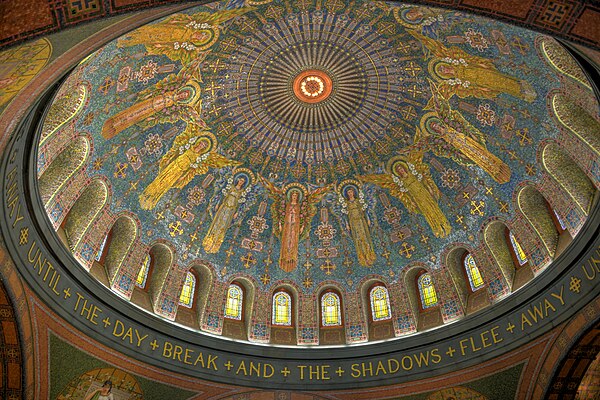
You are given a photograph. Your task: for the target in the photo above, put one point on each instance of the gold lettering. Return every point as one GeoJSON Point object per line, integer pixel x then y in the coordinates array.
{"type": "Point", "coordinates": [370, 369]}
{"type": "Point", "coordinates": [524, 321]}
{"type": "Point", "coordinates": [435, 357]}
{"type": "Point", "coordinates": [242, 367]}
{"type": "Point", "coordinates": [495, 335]}
{"type": "Point", "coordinates": [587, 275]}
{"type": "Point", "coordinates": [301, 367]}
{"type": "Point", "coordinates": [199, 359]}
{"type": "Point", "coordinates": [177, 351]}
{"type": "Point", "coordinates": [355, 371]}
{"type": "Point", "coordinates": [559, 297]}
{"type": "Point", "coordinates": [396, 366]}
{"type": "Point", "coordinates": [211, 363]}
{"type": "Point", "coordinates": [422, 359]}
{"type": "Point", "coordinates": [140, 339]}
{"type": "Point", "coordinates": [270, 368]}
{"type": "Point", "coordinates": [410, 363]}
{"type": "Point", "coordinates": [381, 368]}
{"type": "Point", "coordinates": [187, 358]}
{"type": "Point", "coordinates": [168, 350]}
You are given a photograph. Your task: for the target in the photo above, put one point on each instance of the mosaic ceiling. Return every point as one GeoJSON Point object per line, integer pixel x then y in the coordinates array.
{"type": "Point", "coordinates": [313, 141]}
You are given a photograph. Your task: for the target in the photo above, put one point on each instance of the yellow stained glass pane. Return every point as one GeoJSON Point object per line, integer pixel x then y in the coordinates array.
{"type": "Point", "coordinates": [143, 274]}
{"type": "Point", "coordinates": [233, 305]}
{"type": "Point", "coordinates": [282, 309]}
{"type": "Point", "coordinates": [427, 291]}
{"type": "Point", "coordinates": [475, 279]}
{"type": "Point", "coordinates": [186, 298]}
{"type": "Point", "coordinates": [521, 256]}
{"type": "Point", "coordinates": [380, 304]}
{"type": "Point", "coordinates": [330, 310]}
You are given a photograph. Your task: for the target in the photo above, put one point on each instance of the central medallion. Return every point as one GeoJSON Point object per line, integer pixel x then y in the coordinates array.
{"type": "Point", "coordinates": [312, 86]}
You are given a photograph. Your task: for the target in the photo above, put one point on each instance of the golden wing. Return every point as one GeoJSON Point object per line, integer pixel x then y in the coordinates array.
{"type": "Point", "coordinates": [220, 16]}
{"type": "Point", "coordinates": [278, 205]}
{"type": "Point", "coordinates": [215, 160]}
{"type": "Point", "coordinates": [387, 182]}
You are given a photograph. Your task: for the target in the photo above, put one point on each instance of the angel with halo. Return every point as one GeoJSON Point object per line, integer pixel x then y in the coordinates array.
{"type": "Point", "coordinates": [464, 75]}
{"type": "Point", "coordinates": [193, 153]}
{"type": "Point", "coordinates": [408, 179]}
{"type": "Point", "coordinates": [293, 209]}
{"type": "Point", "coordinates": [448, 134]}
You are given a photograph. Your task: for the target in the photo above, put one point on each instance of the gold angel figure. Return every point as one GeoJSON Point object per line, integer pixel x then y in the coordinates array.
{"type": "Point", "coordinates": [293, 209]}
{"type": "Point", "coordinates": [408, 179]}
{"type": "Point", "coordinates": [350, 196]}
{"type": "Point", "coordinates": [182, 37]}
{"type": "Point", "coordinates": [461, 141]}
{"type": "Point", "coordinates": [193, 153]}
{"type": "Point", "coordinates": [462, 74]}
{"type": "Point", "coordinates": [241, 181]}
{"type": "Point", "coordinates": [155, 104]}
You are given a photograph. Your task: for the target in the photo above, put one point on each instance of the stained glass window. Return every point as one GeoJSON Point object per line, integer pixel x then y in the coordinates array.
{"type": "Point", "coordinates": [560, 221]}
{"type": "Point", "coordinates": [518, 250]}
{"type": "Point", "coordinates": [282, 309]}
{"type": "Point", "coordinates": [233, 305]}
{"type": "Point", "coordinates": [101, 249]}
{"type": "Point", "coordinates": [143, 274]}
{"type": "Point", "coordinates": [330, 310]}
{"type": "Point", "coordinates": [186, 298]}
{"type": "Point", "coordinates": [380, 303]}
{"type": "Point", "coordinates": [475, 279]}
{"type": "Point", "coordinates": [427, 291]}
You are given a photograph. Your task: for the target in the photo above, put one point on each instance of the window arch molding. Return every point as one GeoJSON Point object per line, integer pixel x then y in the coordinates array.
{"type": "Point", "coordinates": [426, 291]}
{"type": "Point", "coordinates": [330, 307]}
{"type": "Point", "coordinates": [283, 307]}
{"type": "Point", "coordinates": [378, 303]}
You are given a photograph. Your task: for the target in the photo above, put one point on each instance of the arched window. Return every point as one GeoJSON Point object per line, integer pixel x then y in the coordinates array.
{"type": "Point", "coordinates": [330, 310]}
{"type": "Point", "coordinates": [427, 291]}
{"type": "Point", "coordinates": [143, 274]}
{"type": "Point", "coordinates": [380, 303]}
{"type": "Point", "coordinates": [186, 298]}
{"type": "Point", "coordinates": [282, 309]}
{"type": "Point", "coordinates": [233, 305]}
{"type": "Point", "coordinates": [517, 249]}
{"type": "Point", "coordinates": [475, 279]}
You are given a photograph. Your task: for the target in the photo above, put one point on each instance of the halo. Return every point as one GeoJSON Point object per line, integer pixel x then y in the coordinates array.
{"type": "Point", "coordinates": [399, 14]}
{"type": "Point", "coordinates": [346, 184]}
{"type": "Point", "coordinates": [210, 140]}
{"type": "Point", "coordinates": [243, 173]}
{"type": "Point", "coordinates": [193, 87]}
{"type": "Point", "coordinates": [426, 121]}
{"type": "Point", "coordinates": [295, 187]}
{"type": "Point", "coordinates": [213, 34]}
{"type": "Point", "coordinates": [394, 162]}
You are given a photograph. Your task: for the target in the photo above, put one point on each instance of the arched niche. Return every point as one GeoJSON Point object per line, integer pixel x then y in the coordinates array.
{"type": "Point", "coordinates": [204, 282]}
{"type": "Point", "coordinates": [83, 213]}
{"type": "Point", "coordinates": [62, 169]}
{"type": "Point", "coordinates": [575, 183]}
{"type": "Point", "coordinates": [282, 334]}
{"type": "Point", "coordinates": [162, 258]}
{"type": "Point", "coordinates": [429, 317]}
{"type": "Point", "coordinates": [120, 240]}
{"type": "Point", "coordinates": [561, 60]}
{"type": "Point", "coordinates": [497, 240]}
{"type": "Point", "coordinates": [473, 297]}
{"type": "Point", "coordinates": [330, 334]}
{"type": "Point", "coordinates": [535, 208]}
{"type": "Point", "coordinates": [238, 328]}
{"type": "Point", "coordinates": [380, 323]}
{"type": "Point", "coordinates": [577, 120]}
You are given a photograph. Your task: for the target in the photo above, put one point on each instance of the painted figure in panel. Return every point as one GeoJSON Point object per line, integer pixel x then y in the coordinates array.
{"type": "Point", "coordinates": [462, 74]}
{"type": "Point", "coordinates": [354, 206]}
{"type": "Point", "coordinates": [242, 181]}
{"type": "Point", "coordinates": [171, 100]}
{"type": "Point", "coordinates": [460, 140]}
{"type": "Point", "coordinates": [293, 209]}
{"type": "Point", "coordinates": [193, 153]}
{"type": "Point", "coordinates": [408, 179]}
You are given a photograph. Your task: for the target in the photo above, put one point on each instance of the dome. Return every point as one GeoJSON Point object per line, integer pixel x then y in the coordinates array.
{"type": "Point", "coordinates": [320, 174]}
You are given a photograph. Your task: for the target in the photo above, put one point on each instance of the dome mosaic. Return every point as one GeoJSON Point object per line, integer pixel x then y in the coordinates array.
{"type": "Point", "coordinates": [382, 165]}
